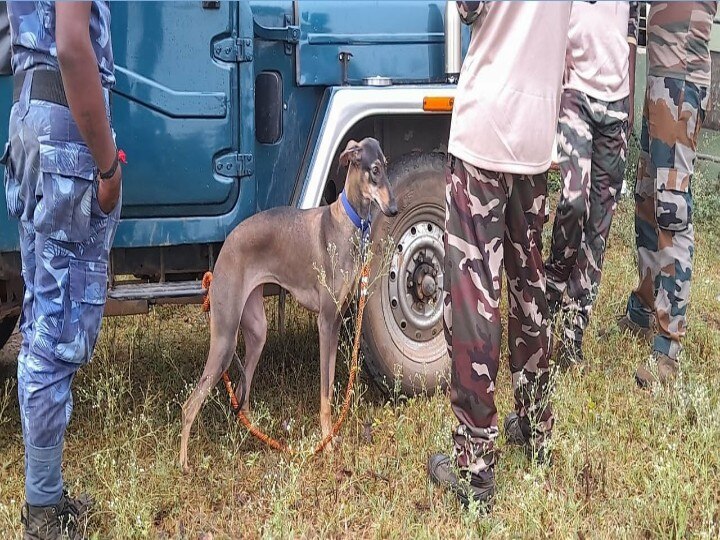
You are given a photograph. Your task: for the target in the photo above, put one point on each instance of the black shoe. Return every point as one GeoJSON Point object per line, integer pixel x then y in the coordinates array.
{"type": "Point", "coordinates": [554, 300]}
{"type": "Point", "coordinates": [515, 434]}
{"type": "Point", "coordinates": [66, 519]}
{"type": "Point", "coordinates": [569, 354]}
{"type": "Point", "coordinates": [478, 487]}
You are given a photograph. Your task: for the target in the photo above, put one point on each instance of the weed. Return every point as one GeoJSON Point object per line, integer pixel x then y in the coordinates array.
{"type": "Point", "coordinates": [626, 463]}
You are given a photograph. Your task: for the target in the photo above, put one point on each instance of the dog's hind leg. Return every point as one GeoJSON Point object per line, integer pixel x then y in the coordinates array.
{"type": "Point", "coordinates": [329, 330]}
{"type": "Point", "coordinates": [224, 324]}
{"type": "Point", "coordinates": [254, 331]}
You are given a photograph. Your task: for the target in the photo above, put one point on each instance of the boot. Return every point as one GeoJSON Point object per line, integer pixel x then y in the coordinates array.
{"type": "Point", "coordinates": [478, 487]}
{"type": "Point", "coordinates": [66, 519]}
{"type": "Point", "coordinates": [625, 324]}
{"type": "Point", "coordinates": [661, 368]}
{"type": "Point", "coordinates": [554, 300]}
{"type": "Point", "coordinates": [517, 435]}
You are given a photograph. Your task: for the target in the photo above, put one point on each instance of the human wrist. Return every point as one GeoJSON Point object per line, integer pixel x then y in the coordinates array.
{"type": "Point", "coordinates": [106, 157]}
{"type": "Point", "coordinates": [113, 170]}
{"type": "Point", "coordinates": [117, 176]}
{"type": "Point", "coordinates": [108, 172]}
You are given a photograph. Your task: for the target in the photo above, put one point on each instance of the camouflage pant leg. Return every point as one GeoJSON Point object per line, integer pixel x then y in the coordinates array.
{"type": "Point", "coordinates": [664, 234]}
{"type": "Point", "coordinates": [65, 243]}
{"type": "Point", "coordinates": [641, 302]}
{"type": "Point", "coordinates": [528, 320]}
{"type": "Point", "coordinates": [574, 139]}
{"type": "Point", "coordinates": [491, 217]}
{"type": "Point", "coordinates": [609, 145]}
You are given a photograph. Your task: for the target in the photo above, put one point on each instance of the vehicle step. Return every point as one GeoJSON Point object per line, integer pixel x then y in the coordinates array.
{"type": "Point", "coordinates": [154, 291]}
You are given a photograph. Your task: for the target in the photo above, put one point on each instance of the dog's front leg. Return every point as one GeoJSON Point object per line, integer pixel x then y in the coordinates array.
{"type": "Point", "coordinates": [329, 329]}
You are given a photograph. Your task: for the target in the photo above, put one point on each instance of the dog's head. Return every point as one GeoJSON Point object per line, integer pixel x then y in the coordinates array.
{"type": "Point", "coordinates": [367, 171]}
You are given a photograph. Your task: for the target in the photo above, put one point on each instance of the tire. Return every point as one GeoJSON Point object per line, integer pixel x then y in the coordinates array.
{"type": "Point", "coordinates": [403, 337]}
{"type": "Point", "coordinates": [7, 325]}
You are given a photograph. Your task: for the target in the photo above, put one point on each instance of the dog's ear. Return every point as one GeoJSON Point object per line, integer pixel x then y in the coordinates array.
{"type": "Point", "coordinates": [350, 154]}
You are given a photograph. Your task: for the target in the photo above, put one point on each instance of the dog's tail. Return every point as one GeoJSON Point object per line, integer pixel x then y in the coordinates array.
{"type": "Point", "coordinates": [206, 281]}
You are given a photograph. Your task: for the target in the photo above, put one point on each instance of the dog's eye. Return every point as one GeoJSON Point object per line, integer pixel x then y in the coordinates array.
{"type": "Point", "coordinates": [375, 170]}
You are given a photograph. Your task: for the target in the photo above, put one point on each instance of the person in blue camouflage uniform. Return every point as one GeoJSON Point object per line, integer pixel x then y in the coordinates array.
{"type": "Point", "coordinates": [52, 183]}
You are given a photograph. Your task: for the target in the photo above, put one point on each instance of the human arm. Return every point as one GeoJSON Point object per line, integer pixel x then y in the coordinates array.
{"type": "Point", "coordinates": [469, 11]}
{"type": "Point", "coordinates": [632, 38]}
{"type": "Point", "coordinates": [84, 92]}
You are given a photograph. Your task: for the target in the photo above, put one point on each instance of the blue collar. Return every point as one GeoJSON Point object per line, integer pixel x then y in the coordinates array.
{"type": "Point", "coordinates": [360, 223]}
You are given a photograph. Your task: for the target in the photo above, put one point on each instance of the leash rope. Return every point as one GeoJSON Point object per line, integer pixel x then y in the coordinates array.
{"type": "Point", "coordinates": [354, 368]}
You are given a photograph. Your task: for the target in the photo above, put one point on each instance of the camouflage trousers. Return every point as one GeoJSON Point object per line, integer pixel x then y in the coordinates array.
{"type": "Point", "coordinates": [592, 142]}
{"type": "Point", "coordinates": [65, 240]}
{"type": "Point", "coordinates": [494, 220]}
{"type": "Point", "coordinates": [672, 117]}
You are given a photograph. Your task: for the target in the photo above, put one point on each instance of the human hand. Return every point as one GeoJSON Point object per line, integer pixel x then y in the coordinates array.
{"type": "Point", "coordinates": [109, 191]}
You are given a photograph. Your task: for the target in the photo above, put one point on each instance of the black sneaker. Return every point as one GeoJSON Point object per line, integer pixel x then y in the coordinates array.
{"type": "Point", "coordinates": [515, 434]}
{"type": "Point", "coordinates": [66, 519]}
{"type": "Point", "coordinates": [478, 487]}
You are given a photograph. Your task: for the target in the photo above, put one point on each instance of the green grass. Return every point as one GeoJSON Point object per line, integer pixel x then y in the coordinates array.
{"type": "Point", "coordinates": [627, 463]}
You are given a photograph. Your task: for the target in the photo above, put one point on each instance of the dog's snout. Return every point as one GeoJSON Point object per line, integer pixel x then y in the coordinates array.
{"type": "Point", "coordinates": [390, 207]}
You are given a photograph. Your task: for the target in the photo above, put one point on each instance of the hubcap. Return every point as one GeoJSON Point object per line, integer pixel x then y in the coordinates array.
{"type": "Point", "coordinates": [416, 280]}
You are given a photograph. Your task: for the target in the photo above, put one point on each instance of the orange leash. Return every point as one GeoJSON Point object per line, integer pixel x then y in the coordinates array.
{"type": "Point", "coordinates": [354, 368]}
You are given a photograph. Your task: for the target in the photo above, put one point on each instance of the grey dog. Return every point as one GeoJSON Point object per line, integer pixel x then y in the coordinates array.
{"type": "Point", "coordinates": [284, 246]}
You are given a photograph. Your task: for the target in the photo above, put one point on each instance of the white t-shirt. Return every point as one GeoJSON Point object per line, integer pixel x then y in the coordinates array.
{"type": "Point", "coordinates": [506, 106]}
{"type": "Point", "coordinates": [597, 55]}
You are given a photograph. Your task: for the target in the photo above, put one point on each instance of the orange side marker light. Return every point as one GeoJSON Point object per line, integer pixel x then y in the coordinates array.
{"type": "Point", "coordinates": [438, 104]}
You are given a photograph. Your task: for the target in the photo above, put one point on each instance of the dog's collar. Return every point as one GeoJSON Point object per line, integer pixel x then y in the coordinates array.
{"type": "Point", "coordinates": [360, 223]}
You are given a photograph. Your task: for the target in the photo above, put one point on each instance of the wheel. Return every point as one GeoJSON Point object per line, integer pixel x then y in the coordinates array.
{"type": "Point", "coordinates": [7, 325]}
{"type": "Point", "coordinates": [403, 329]}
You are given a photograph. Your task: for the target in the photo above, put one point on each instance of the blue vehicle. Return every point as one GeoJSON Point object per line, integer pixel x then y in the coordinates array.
{"type": "Point", "coordinates": [226, 109]}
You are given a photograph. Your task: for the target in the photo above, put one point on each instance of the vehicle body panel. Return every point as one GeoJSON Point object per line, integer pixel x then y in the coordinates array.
{"type": "Point", "coordinates": [178, 108]}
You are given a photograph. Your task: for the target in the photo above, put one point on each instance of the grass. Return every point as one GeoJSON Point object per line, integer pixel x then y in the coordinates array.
{"type": "Point", "coordinates": [628, 463]}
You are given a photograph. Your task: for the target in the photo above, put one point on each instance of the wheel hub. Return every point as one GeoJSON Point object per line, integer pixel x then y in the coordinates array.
{"type": "Point", "coordinates": [427, 288]}
{"type": "Point", "coordinates": [416, 280]}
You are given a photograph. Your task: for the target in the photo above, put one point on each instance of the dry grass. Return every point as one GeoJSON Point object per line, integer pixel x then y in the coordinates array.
{"type": "Point", "coordinates": [628, 463]}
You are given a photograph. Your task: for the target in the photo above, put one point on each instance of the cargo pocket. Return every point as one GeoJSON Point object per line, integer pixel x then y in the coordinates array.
{"type": "Point", "coordinates": [12, 186]}
{"type": "Point", "coordinates": [86, 292]}
{"type": "Point", "coordinates": [68, 172]}
{"type": "Point", "coordinates": [673, 203]}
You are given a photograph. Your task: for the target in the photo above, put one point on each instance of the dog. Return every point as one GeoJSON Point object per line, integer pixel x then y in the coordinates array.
{"type": "Point", "coordinates": [285, 246]}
